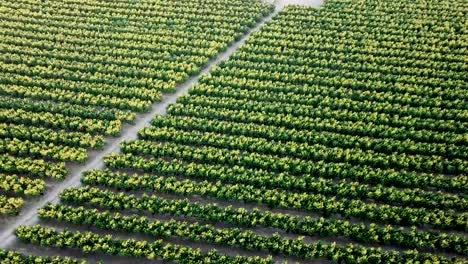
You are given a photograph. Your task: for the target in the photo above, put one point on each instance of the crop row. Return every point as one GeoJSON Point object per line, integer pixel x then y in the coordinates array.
{"type": "Point", "coordinates": [309, 112]}
{"type": "Point", "coordinates": [411, 77]}
{"type": "Point", "coordinates": [361, 152]}
{"type": "Point", "coordinates": [232, 19]}
{"type": "Point", "coordinates": [265, 133]}
{"type": "Point", "coordinates": [324, 76]}
{"type": "Point", "coordinates": [221, 236]}
{"type": "Point", "coordinates": [331, 102]}
{"type": "Point", "coordinates": [328, 206]}
{"type": "Point", "coordinates": [382, 11]}
{"type": "Point", "coordinates": [360, 91]}
{"type": "Point", "coordinates": [92, 23]}
{"type": "Point", "coordinates": [324, 182]}
{"type": "Point", "coordinates": [97, 77]}
{"type": "Point", "coordinates": [18, 258]}
{"type": "Point", "coordinates": [89, 243]}
{"type": "Point", "coordinates": [353, 40]}
{"type": "Point", "coordinates": [60, 121]}
{"type": "Point", "coordinates": [445, 8]}
{"type": "Point", "coordinates": [21, 185]}
{"type": "Point", "coordinates": [287, 165]}
{"type": "Point", "coordinates": [381, 52]}
{"type": "Point", "coordinates": [42, 150]}
{"type": "Point", "coordinates": [67, 109]}
{"type": "Point", "coordinates": [303, 165]}
{"type": "Point", "coordinates": [325, 170]}
{"type": "Point", "coordinates": [349, 124]}
{"type": "Point", "coordinates": [421, 64]}
{"type": "Point", "coordinates": [47, 135]}
{"type": "Point", "coordinates": [78, 71]}
{"type": "Point", "coordinates": [367, 233]}
{"type": "Point", "coordinates": [10, 205]}
{"type": "Point", "coordinates": [381, 23]}
{"type": "Point", "coordinates": [121, 56]}
{"type": "Point", "coordinates": [306, 182]}
{"type": "Point", "coordinates": [72, 97]}
{"type": "Point", "coordinates": [363, 64]}
{"type": "Point", "coordinates": [105, 60]}
{"type": "Point", "coordinates": [32, 167]}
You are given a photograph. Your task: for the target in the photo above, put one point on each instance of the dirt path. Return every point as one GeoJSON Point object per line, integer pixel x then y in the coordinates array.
{"type": "Point", "coordinates": [282, 3]}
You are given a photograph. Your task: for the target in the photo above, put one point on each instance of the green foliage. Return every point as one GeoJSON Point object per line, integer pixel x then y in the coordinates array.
{"type": "Point", "coordinates": [444, 219]}
{"type": "Point", "coordinates": [21, 185]}
{"type": "Point", "coordinates": [220, 236]}
{"type": "Point", "coordinates": [13, 257]}
{"type": "Point", "coordinates": [89, 242]}
{"type": "Point", "coordinates": [10, 205]}
{"type": "Point", "coordinates": [78, 71]}
{"type": "Point", "coordinates": [346, 123]}
{"type": "Point", "coordinates": [307, 226]}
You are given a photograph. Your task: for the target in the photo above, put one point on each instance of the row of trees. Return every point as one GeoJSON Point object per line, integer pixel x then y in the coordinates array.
{"type": "Point", "coordinates": [383, 10]}
{"type": "Point", "coordinates": [265, 133]}
{"type": "Point", "coordinates": [329, 101]}
{"type": "Point", "coordinates": [273, 198]}
{"type": "Point", "coordinates": [237, 14]}
{"type": "Point", "coordinates": [32, 167]}
{"type": "Point", "coordinates": [72, 97]}
{"type": "Point", "coordinates": [44, 40]}
{"type": "Point", "coordinates": [312, 112]}
{"type": "Point", "coordinates": [320, 60]}
{"type": "Point", "coordinates": [356, 90]}
{"type": "Point", "coordinates": [135, 40]}
{"type": "Point", "coordinates": [10, 205]}
{"type": "Point", "coordinates": [60, 121]}
{"type": "Point", "coordinates": [346, 126]}
{"type": "Point", "coordinates": [421, 64]}
{"type": "Point", "coordinates": [307, 35]}
{"type": "Point", "coordinates": [387, 28]}
{"type": "Point", "coordinates": [308, 226]}
{"type": "Point", "coordinates": [47, 135]}
{"type": "Point", "coordinates": [43, 70]}
{"type": "Point", "coordinates": [220, 236]}
{"type": "Point", "coordinates": [43, 150]}
{"type": "Point", "coordinates": [101, 60]}
{"type": "Point", "coordinates": [329, 76]}
{"type": "Point", "coordinates": [67, 109]}
{"type": "Point", "coordinates": [337, 153]}
{"type": "Point", "coordinates": [296, 165]}
{"type": "Point", "coordinates": [417, 76]}
{"type": "Point", "coordinates": [12, 183]}
{"type": "Point", "coordinates": [383, 51]}
{"type": "Point", "coordinates": [381, 22]}
{"type": "Point", "coordinates": [113, 58]}
{"type": "Point", "coordinates": [77, 71]}
{"type": "Point", "coordinates": [92, 72]}
{"type": "Point", "coordinates": [7, 256]}
{"type": "Point", "coordinates": [315, 182]}
{"type": "Point", "coordinates": [93, 243]}
{"type": "Point", "coordinates": [324, 170]}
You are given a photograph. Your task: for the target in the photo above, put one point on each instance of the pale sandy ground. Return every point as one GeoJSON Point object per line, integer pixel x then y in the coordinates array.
{"type": "Point", "coordinates": [282, 3]}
